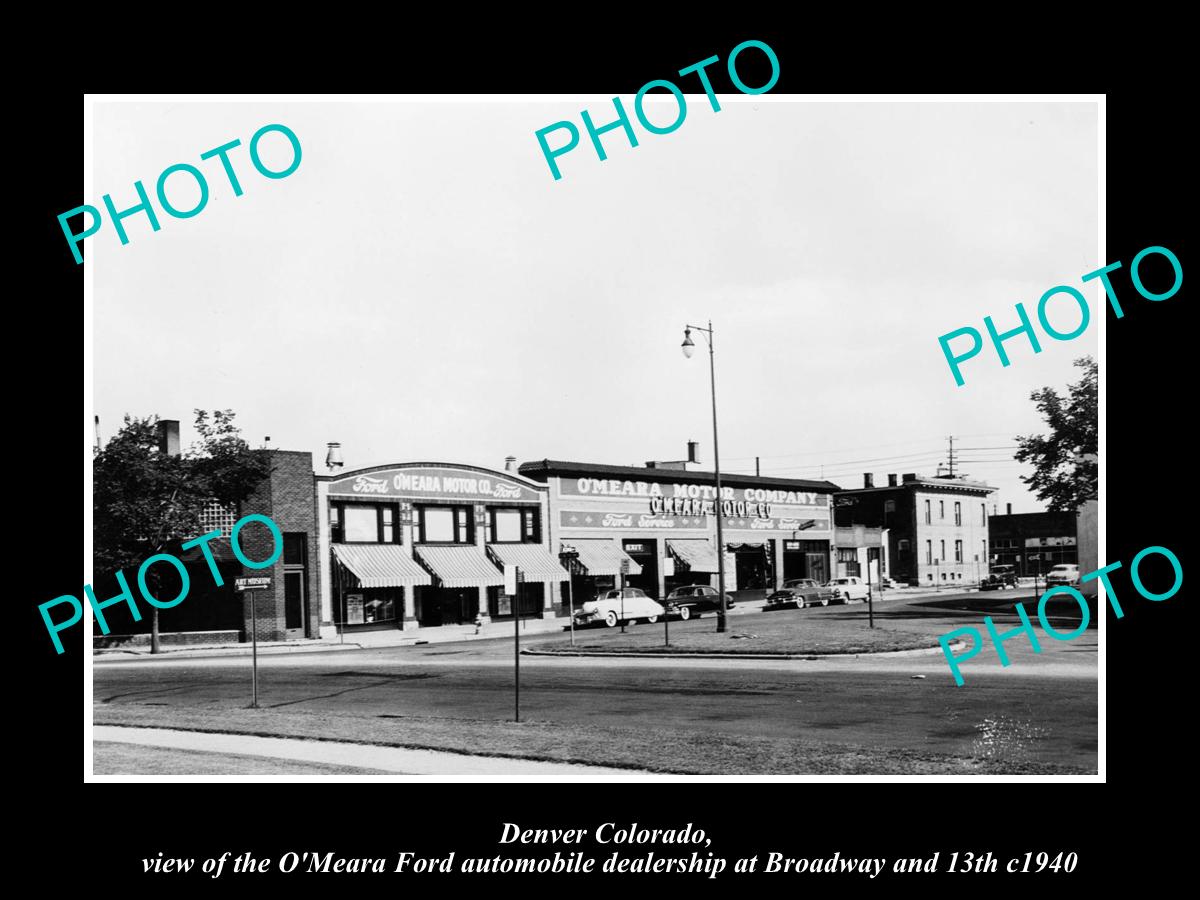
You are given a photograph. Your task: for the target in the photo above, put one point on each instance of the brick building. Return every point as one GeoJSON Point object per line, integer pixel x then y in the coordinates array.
{"type": "Point", "coordinates": [937, 527]}
{"type": "Point", "coordinates": [1033, 542]}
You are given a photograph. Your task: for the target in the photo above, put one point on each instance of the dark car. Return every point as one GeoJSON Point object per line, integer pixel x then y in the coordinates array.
{"type": "Point", "coordinates": [694, 599]}
{"type": "Point", "coordinates": [800, 592]}
{"type": "Point", "coordinates": [998, 578]}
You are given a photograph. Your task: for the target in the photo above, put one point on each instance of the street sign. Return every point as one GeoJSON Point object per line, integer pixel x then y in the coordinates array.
{"type": "Point", "coordinates": [510, 579]}
{"type": "Point", "coordinates": [624, 567]}
{"type": "Point", "coordinates": [251, 584]}
{"type": "Point", "coordinates": [669, 567]}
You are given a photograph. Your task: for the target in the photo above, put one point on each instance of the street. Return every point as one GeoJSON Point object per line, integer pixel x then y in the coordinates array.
{"type": "Point", "coordinates": [1038, 714]}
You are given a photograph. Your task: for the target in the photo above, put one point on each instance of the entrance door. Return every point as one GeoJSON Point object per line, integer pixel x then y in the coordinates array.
{"type": "Point", "coordinates": [293, 604]}
{"type": "Point", "coordinates": [816, 567]}
{"type": "Point", "coordinates": [645, 554]}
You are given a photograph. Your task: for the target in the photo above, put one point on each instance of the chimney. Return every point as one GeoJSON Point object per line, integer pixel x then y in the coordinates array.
{"type": "Point", "coordinates": [868, 480]}
{"type": "Point", "coordinates": [693, 451]}
{"type": "Point", "coordinates": [1008, 509]}
{"type": "Point", "coordinates": [333, 457]}
{"type": "Point", "coordinates": [168, 436]}
{"type": "Point", "coordinates": [891, 481]}
{"type": "Point", "coordinates": [510, 464]}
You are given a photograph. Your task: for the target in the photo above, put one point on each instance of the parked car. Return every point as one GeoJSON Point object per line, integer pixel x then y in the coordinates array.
{"type": "Point", "coordinates": [1067, 573]}
{"type": "Point", "coordinates": [800, 592]}
{"type": "Point", "coordinates": [611, 607]}
{"type": "Point", "coordinates": [998, 578]}
{"type": "Point", "coordinates": [694, 599]}
{"type": "Point", "coordinates": [848, 588]}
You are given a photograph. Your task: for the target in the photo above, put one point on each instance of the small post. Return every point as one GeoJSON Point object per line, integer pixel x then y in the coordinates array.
{"type": "Point", "coordinates": [624, 572]}
{"type": "Point", "coordinates": [254, 649]}
{"type": "Point", "coordinates": [517, 656]}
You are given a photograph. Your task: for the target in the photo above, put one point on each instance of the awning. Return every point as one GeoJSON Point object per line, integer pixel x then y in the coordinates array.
{"type": "Point", "coordinates": [745, 545]}
{"type": "Point", "coordinates": [699, 555]}
{"type": "Point", "coordinates": [602, 556]}
{"type": "Point", "coordinates": [381, 565]}
{"type": "Point", "coordinates": [460, 567]}
{"type": "Point", "coordinates": [534, 561]}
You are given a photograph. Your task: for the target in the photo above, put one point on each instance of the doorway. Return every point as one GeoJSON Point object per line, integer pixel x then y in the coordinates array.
{"type": "Point", "coordinates": [645, 554]}
{"type": "Point", "coordinates": [293, 604]}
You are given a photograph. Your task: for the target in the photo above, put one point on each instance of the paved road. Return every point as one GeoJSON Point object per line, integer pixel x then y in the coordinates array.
{"type": "Point", "coordinates": [1042, 708]}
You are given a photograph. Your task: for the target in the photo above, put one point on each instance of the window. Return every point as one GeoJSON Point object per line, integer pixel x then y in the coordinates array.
{"type": "Point", "coordinates": [515, 525]}
{"type": "Point", "coordinates": [364, 523]}
{"type": "Point", "coordinates": [295, 548]}
{"type": "Point", "coordinates": [216, 516]}
{"type": "Point", "coordinates": [903, 545]}
{"type": "Point", "coordinates": [942, 557]}
{"type": "Point", "coordinates": [982, 513]}
{"type": "Point", "coordinates": [958, 551]}
{"type": "Point", "coordinates": [957, 513]}
{"type": "Point", "coordinates": [889, 506]}
{"type": "Point", "coordinates": [446, 525]}
{"type": "Point", "coordinates": [360, 523]}
{"type": "Point", "coordinates": [928, 519]}
{"type": "Point", "coordinates": [941, 509]}
{"type": "Point", "coordinates": [928, 551]}
{"type": "Point", "coordinates": [847, 554]}
{"type": "Point", "coordinates": [983, 550]}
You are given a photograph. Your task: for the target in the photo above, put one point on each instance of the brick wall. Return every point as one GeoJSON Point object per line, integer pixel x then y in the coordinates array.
{"type": "Point", "coordinates": [287, 498]}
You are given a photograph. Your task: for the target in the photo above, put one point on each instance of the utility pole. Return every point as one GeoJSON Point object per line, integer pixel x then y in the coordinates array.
{"type": "Point", "coordinates": [951, 456]}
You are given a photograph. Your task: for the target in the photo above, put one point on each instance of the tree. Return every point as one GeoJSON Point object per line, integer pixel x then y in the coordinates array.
{"type": "Point", "coordinates": [1065, 467]}
{"type": "Point", "coordinates": [147, 502]}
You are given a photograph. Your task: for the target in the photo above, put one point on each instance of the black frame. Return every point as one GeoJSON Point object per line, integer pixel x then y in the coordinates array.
{"type": "Point", "coordinates": [531, 524]}
{"type": "Point", "coordinates": [464, 523]}
{"type": "Point", "coordinates": [338, 529]}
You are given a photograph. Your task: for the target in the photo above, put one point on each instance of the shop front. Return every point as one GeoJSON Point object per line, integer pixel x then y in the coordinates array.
{"type": "Point", "coordinates": [419, 545]}
{"type": "Point", "coordinates": [662, 521]}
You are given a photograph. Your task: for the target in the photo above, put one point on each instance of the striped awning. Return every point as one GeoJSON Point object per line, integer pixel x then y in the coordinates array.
{"type": "Point", "coordinates": [381, 565]}
{"type": "Point", "coordinates": [699, 555]}
{"type": "Point", "coordinates": [602, 556]}
{"type": "Point", "coordinates": [534, 561]}
{"type": "Point", "coordinates": [459, 567]}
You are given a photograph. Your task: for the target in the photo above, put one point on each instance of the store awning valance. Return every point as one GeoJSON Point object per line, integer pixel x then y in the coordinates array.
{"type": "Point", "coordinates": [381, 565]}
{"type": "Point", "coordinates": [460, 567]}
{"type": "Point", "coordinates": [746, 545]}
{"type": "Point", "coordinates": [602, 556]}
{"type": "Point", "coordinates": [534, 561]}
{"type": "Point", "coordinates": [699, 555]}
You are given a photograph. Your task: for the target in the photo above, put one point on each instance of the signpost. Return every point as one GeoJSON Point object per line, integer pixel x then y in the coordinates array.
{"type": "Point", "coordinates": [624, 572]}
{"type": "Point", "coordinates": [567, 557]}
{"type": "Point", "coordinates": [511, 584]}
{"type": "Point", "coordinates": [250, 585]}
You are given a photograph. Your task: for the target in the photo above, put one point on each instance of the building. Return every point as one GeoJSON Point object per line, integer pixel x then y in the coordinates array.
{"type": "Point", "coordinates": [937, 527]}
{"type": "Point", "coordinates": [655, 526]}
{"type": "Point", "coordinates": [861, 551]}
{"type": "Point", "coordinates": [412, 545]}
{"type": "Point", "coordinates": [1033, 543]}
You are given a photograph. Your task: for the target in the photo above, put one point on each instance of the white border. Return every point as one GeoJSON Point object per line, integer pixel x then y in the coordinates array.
{"type": "Point", "coordinates": [89, 406]}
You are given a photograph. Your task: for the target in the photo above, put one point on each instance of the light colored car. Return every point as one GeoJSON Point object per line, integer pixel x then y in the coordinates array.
{"type": "Point", "coordinates": [1063, 574]}
{"type": "Point", "coordinates": [611, 608]}
{"type": "Point", "coordinates": [848, 588]}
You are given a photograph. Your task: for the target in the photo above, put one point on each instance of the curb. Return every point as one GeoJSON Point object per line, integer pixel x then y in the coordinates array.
{"type": "Point", "coordinates": [918, 651]}
{"type": "Point", "coordinates": [102, 656]}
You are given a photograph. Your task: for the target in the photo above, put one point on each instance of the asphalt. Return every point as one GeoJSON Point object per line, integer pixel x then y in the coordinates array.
{"type": "Point", "coordinates": [1042, 708]}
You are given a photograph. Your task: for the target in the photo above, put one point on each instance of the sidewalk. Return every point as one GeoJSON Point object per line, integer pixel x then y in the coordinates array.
{"type": "Point", "coordinates": [388, 760]}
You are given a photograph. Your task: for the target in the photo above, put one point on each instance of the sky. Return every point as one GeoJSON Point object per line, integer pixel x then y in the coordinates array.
{"type": "Point", "coordinates": [422, 288]}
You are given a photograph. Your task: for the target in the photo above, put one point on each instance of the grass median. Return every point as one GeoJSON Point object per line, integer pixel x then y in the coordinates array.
{"type": "Point", "coordinates": [782, 633]}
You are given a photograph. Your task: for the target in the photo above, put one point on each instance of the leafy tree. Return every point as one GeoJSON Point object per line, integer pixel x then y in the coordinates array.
{"type": "Point", "coordinates": [1065, 468]}
{"type": "Point", "coordinates": [147, 502]}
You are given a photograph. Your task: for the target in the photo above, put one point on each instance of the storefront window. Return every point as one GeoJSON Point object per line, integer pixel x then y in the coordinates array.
{"type": "Point", "coordinates": [369, 606]}
{"type": "Point", "coordinates": [364, 523]}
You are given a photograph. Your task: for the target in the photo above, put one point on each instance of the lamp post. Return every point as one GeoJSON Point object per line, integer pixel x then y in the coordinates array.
{"type": "Point", "coordinates": [688, 348]}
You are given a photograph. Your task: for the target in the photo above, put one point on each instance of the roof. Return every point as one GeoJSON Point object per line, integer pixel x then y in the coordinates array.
{"type": "Point", "coordinates": [543, 469]}
{"type": "Point", "coordinates": [951, 485]}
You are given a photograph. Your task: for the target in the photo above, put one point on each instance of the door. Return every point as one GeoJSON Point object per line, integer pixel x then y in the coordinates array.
{"type": "Point", "coordinates": [293, 604]}
{"type": "Point", "coordinates": [816, 567]}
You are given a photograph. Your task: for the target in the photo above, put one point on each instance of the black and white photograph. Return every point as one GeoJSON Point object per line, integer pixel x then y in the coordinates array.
{"type": "Point", "coordinates": [685, 435]}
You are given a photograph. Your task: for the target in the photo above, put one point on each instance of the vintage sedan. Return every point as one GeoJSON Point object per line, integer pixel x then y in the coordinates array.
{"type": "Point", "coordinates": [998, 578]}
{"type": "Point", "coordinates": [612, 607]}
{"type": "Point", "coordinates": [799, 592]}
{"type": "Point", "coordinates": [694, 599]}
{"type": "Point", "coordinates": [1067, 573]}
{"type": "Point", "coordinates": [848, 588]}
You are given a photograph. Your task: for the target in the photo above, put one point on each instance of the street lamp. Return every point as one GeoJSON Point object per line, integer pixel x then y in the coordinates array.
{"type": "Point", "coordinates": [689, 348]}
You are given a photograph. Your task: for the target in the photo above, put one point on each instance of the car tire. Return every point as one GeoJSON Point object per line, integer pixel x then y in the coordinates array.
{"type": "Point", "coordinates": [684, 613]}
{"type": "Point", "coordinates": [610, 619]}
{"type": "Point", "coordinates": [650, 620]}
